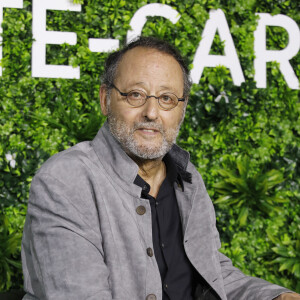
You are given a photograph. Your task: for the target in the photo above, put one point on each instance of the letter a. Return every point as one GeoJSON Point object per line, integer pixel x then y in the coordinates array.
{"type": "Point", "coordinates": [217, 21]}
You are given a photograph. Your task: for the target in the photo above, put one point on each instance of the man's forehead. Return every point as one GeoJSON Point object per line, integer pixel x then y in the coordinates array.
{"type": "Point", "coordinates": [143, 58]}
{"type": "Point", "coordinates": [141, 50]}
{"type": "Point", "coordinates": [140, 54]}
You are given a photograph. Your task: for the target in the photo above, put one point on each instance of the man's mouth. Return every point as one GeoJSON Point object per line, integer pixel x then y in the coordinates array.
{"type": "Point", "coordinates": [149, 129]}
{"type": "Point", "coordinates": [150, 132]}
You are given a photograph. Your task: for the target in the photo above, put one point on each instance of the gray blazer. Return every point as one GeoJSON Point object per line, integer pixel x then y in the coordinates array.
{"type": "Point", "coordinates": [83, 238]}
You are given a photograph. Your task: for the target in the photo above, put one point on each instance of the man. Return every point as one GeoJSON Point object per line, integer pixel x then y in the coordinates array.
{"type": "Point", "coordinates": [127, 216]}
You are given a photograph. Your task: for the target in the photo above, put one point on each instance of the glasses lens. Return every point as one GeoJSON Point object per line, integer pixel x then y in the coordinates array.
{"type": "Point", "coordinates": [136, 98]}
{"type": "Point", "coordinates": [168, 101]}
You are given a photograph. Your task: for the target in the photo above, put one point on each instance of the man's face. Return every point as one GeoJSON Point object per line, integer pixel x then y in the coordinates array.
{"type": "Point", "coordinates": [146, 132]}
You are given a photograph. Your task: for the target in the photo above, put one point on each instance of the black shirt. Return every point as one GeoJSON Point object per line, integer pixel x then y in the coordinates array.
{"type": "Point", "coordinates": [177, 273]}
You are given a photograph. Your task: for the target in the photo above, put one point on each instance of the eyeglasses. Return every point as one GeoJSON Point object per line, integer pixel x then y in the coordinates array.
{"type": "Point", "coordinates": [137, 98]}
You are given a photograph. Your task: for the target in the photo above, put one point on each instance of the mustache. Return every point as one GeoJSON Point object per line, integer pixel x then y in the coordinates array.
{"type": "Point", "coordinates": [148, 125]}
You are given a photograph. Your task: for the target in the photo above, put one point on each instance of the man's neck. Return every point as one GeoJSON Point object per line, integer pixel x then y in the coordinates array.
{"type": "Point", "coordinates": [153, 172]}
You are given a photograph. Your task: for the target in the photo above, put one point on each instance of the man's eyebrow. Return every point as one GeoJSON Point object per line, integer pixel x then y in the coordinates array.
{"type": "Point", "coordinates": [139, 83]}
{"type": "Point", "coordinates": [165, 87]}
{"type": "Point", "coordinates": [142, 83]}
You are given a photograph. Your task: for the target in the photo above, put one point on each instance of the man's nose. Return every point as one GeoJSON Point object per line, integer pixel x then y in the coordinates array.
{"type": "Point", "coordinates": [151, 108]}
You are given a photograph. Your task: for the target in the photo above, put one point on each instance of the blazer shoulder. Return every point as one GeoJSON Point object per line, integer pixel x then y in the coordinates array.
{"type": "Point", "coordinates": [73, 162]}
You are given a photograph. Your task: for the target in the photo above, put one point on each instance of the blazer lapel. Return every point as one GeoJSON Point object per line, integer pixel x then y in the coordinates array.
{"type": "Point", "coordinates": [184, 200]}
{"type": "Point", "coordinates": [198, 233]}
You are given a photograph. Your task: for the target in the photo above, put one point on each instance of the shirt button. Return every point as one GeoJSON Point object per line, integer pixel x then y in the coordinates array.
{"type": "Point", "coordinates": [144, 188]}
{"type": "Point", "coordinates": [150, 252]}
{"type": "Point", "coordinates": [156, 203]}
{"type": "Point", "coordinates": [166, 286]}
{"type": "Point", "coordinates": [140, 210]}
{"type": "Point", "coordinates": [151, 297]}
{"type": "Point", "coordinates": [162, 245]}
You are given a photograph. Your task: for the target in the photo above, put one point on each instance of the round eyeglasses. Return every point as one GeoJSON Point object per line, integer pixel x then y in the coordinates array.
{"type": "Point", "coordinates": [136, 98]}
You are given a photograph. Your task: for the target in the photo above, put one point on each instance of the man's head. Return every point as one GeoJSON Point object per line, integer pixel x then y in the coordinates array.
{"type": "Point", "coordinates": [149, 67]}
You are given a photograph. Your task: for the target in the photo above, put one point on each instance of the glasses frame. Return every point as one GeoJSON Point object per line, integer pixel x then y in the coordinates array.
{"type": "Point", "coordinates": [147, 97]}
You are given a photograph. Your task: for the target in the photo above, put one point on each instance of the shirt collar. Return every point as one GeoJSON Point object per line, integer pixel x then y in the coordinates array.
{"type": "Point", "coordinates": [172, 175]}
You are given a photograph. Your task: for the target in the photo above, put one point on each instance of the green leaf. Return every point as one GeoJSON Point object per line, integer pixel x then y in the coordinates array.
{"type": "Point", "coordinates": [243, 215]}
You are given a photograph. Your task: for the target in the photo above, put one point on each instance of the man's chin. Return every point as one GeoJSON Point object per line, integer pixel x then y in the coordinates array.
{"type": "Point", "coordinates": [147, 153]}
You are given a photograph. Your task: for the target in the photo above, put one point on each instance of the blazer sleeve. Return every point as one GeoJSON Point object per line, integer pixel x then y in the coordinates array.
{"type": "Point", "coordinates": [237, 285]}
{"type": "Point", "coordinates": [62, 252]}
{"type": "Point", "coordinates": [240, 286]}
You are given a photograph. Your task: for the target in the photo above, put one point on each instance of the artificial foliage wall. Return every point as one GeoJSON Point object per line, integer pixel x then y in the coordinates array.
{"type": "Point", "coordinates": [244, 140]}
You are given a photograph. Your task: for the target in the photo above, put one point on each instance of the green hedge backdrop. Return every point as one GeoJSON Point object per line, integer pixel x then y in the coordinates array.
{"type": "Point", "coordinates": [246, 146]}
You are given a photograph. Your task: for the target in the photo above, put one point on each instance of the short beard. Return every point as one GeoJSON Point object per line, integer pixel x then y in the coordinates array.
{"type": "Point", "coordinates": [125, 136]}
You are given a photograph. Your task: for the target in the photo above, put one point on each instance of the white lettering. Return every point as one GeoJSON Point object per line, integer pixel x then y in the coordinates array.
{"type": "Point", "coordinates": [217, 21]}
{"type": "Point", "coordinates": [43, 37]}
{"type": "Point", "coordinates": [11, 4]}
{"type": "Point", "coordinates": [281, 56]}
{"type": "Point", "coordinates": [103, 45]}
{"type": "Point", "coordinates": [139, 19]}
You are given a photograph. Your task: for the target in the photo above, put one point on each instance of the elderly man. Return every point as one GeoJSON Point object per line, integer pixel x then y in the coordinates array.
{"type": "Point", "coordinates": [127, 216]}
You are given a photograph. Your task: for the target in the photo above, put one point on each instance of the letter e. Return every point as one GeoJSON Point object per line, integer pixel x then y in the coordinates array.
{"type": "Point", "coordinates": [42, 37]}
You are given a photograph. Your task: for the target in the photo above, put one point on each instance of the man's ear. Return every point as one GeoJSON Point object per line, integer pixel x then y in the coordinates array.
{"type": "Point", "coordinates": [186, 101]}
{"type": "Point", "coordinates": [103, 99]}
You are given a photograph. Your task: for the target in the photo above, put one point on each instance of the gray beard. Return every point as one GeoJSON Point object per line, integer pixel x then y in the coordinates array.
{"type": "Point", "coordinates": [125, 136]}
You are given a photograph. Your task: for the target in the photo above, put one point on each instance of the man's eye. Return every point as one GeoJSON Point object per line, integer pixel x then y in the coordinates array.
{"type": "Point", "coordinates": [135, 95]}
{"type": "Point", "coordinates": [166, 98]}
